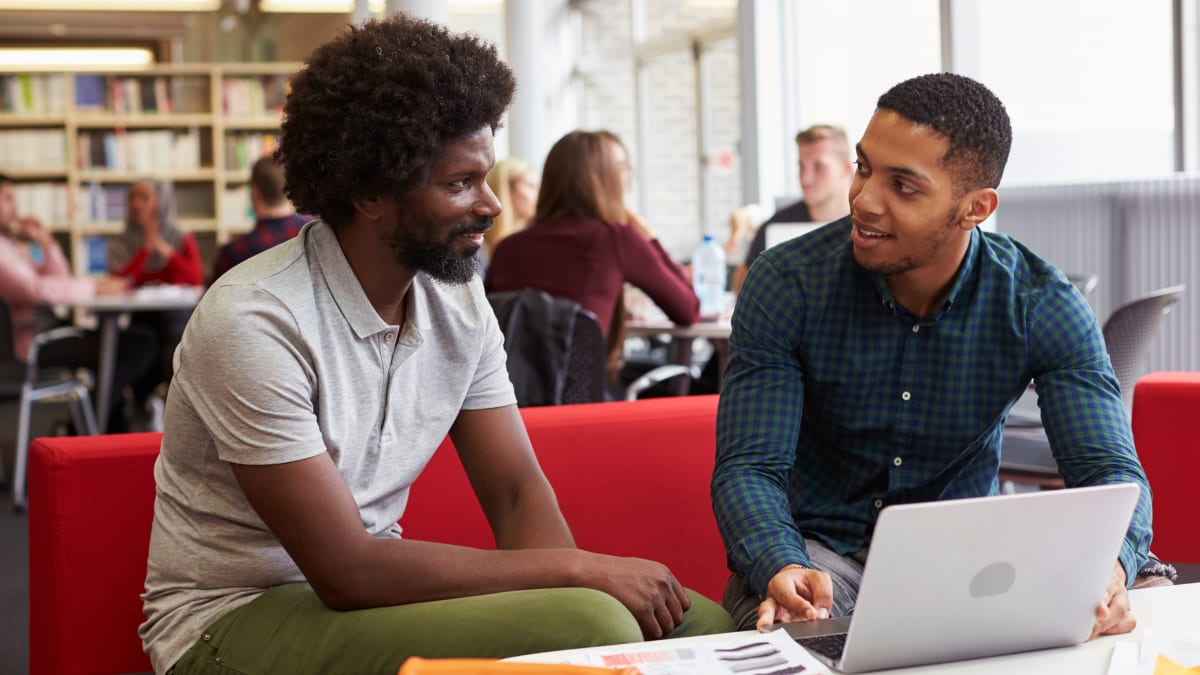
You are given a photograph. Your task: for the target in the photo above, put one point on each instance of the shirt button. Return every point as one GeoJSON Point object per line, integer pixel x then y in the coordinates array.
{"type": "Point", "coordinates": [206, 637]}
{"type": "Point", "coordinates": [897, 461]}
{"type": "Point", "coordinates": [390, 336]}
{"type": "Point", "coordinates": [906, 396]}
{"type": "Point", "coordinates": [916, 328]}
{"type": "Point", "coordinates": [879, 503]}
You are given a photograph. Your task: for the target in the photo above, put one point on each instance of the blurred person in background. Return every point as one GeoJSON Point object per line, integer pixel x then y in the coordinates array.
{"type": "Point", "coordinates": [825, 177]}
{"type": "Point", "coordinates": [153, 250]}
{"type": "Point", "coordinates": [584, 244]}
{"type": "Point", "coordinates": [275, 221]}
{"type": "Point", "coordinates": [516, 187]}
{"type": "Point", "coordinates": [34, 273]}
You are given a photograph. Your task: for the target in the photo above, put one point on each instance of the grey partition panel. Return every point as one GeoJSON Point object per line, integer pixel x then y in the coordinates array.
{"type": "Point", "coordinates": [1138, 236]}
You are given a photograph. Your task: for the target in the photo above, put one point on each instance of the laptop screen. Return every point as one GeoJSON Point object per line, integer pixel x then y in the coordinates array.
{"type": "Point", "coordinates": [777, 233]}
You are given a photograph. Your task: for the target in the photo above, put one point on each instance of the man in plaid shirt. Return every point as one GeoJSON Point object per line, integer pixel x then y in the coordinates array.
{"type": "Point", "coordinates": [874, 362]}
{"type": "Point", "coordinates": [276, 220]}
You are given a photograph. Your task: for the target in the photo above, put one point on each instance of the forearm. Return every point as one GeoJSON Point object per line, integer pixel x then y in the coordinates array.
{"type": "Point", "coordinates": [383, 572]}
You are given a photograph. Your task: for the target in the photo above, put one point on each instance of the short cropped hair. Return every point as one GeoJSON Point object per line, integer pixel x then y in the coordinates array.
{"type": "Point", "coordinates": [374, 108]}
{"type": "Point", "coordinates": [821, 132]}
{"type": "Point", "coordinates": [267, 177]}
{"type": "Point", "coordinates": [968, 114]}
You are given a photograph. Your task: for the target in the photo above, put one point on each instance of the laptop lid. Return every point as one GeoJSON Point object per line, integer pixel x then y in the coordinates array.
{"type": "Point", "coordinates": [969, 578]}
{"type": "Point", "coordinates": [777, 233]}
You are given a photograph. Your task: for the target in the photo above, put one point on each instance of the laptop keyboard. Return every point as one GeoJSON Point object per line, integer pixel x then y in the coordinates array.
{"type": "Point", "coordinates": [827, 645]}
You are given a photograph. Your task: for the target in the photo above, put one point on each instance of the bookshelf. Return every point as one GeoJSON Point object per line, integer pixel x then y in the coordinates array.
{"type": "Point", "coordinates": [74, 142]}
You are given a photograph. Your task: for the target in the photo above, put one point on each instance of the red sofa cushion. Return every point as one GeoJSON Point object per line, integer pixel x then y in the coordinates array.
{"type": "Point", "coordinates": [1169, 450]}
{"type": "Point", "coordinates": [631, 478]}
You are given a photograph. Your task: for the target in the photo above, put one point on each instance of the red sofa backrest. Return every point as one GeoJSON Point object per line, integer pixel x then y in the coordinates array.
{"type": "Point", "coordinates": [1169, 449]}
{"type": "Point", "coordinates": [631, 478]}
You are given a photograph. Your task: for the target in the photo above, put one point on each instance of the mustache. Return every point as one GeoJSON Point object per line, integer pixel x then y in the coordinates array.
{"type": "Point", "coordinates": [477, 226]}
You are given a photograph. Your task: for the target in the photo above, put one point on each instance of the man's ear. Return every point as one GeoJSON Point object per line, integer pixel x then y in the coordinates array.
{"type": "Point", "coordinates": [370, 207]}
{"type": "Point", "coordinates": [977, 206]}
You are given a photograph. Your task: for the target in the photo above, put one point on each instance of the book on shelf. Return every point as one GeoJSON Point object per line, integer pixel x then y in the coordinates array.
{"type": "Point", "coordinates": [32, 94]}
{"type": "Point", "coordinates": [45, 201]}
{"type": "Point", "coordinates": [140, 150]}
{"type": "Point", "coordinates": [89, 92]}
{"type": "Point", "coordinates": [103, 203]}
{"type": "Point", "coordinates": [33, 149]}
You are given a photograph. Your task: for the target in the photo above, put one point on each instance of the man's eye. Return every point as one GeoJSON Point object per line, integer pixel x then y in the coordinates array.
{"type": "Point", "coordinates": [861, 168]}
{"type": "Point", "coordinates": [904, 188]}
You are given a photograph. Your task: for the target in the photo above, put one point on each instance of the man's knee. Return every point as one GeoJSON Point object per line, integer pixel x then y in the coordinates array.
{"type": "Point", "coordinates": [596, 618]}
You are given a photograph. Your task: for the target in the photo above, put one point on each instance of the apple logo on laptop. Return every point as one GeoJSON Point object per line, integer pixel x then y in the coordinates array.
{"type": "Point", "coordinates": [995, 579]}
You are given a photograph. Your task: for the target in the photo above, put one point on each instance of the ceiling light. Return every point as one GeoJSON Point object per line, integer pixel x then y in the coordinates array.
{"type": "Point", "coordinates": [74, 58]}
{"type": "Point", "coordinates": [118, 5]}
{"type": "Point", "coordinates": [375, 6]}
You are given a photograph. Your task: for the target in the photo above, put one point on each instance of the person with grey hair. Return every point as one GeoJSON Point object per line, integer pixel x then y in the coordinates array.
{"type": "Point", "coordinates": [153, 250]}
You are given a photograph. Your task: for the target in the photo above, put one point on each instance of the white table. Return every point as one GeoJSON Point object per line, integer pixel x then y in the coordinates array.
{"type": "Point", "coordinates": [109, 309]}
{"type": "Point", "coordinates": [1165, 608]}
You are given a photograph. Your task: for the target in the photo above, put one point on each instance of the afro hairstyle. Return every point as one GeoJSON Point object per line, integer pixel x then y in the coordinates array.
{"type": "Point", "coordinates": [372, 110]}
{"type": "Point", "coordinates": [968, 114]}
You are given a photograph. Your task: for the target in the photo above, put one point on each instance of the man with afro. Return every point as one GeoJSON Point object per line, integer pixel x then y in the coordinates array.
{"type": "Point", "coordinates": [874, 362]}
{"type": "Point", "coordinates": [316, 379]}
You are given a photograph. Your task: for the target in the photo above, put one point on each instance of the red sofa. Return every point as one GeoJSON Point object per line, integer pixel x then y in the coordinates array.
{"type": "Point", "coordinates": [1169, 449]}
{"type": "Point", "coordinates": [631, 478]}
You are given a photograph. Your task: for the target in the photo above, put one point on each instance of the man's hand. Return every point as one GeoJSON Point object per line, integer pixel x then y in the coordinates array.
{"type": "Point", "coordinates": [796, 593]}
{"type": "Point", "coordinates": [646, 588]}
{"type": "Point", "coordinates": [1114, 615]}
{"type": "Point", "coordinates": [33, 228]}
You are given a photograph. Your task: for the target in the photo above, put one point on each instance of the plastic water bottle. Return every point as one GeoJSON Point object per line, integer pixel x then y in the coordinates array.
{"type": "Point", "coordinates": [708, 276]}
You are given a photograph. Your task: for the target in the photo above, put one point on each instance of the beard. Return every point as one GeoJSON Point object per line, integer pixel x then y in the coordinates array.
{"type": "Point", "coordinates": [932, 246]}
{"type": "Point", "coordinates": [415, 244]}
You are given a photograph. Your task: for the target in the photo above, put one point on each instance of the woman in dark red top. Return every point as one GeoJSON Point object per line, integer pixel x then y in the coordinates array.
{"type": "Point", "coordinates": [584, 244]}
{"type": "Point", "coordinates": [152, 250]}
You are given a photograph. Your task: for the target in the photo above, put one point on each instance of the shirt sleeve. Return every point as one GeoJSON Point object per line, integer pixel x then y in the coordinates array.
{"type": "Point", "coordinates": [1082, 411]}
{"type": "Point", "coordinates": [646, 265]}
{"type": "Point", "coordinates": [184, 267]}
{"type": "Point", "coordinates": [247, 371]}
{"type": "Point", "coordinates": [758, 425]}
{"type": "Point", "coordinates": [491, 387]}
{"type": "Point", "coordinates": [22, 282]}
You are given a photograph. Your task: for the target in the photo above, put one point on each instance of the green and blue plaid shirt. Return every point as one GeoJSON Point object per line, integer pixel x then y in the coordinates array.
{"type": "Point", "coordinates": [838, 401]}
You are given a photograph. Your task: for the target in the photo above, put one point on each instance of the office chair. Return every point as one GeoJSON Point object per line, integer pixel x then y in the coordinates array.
{"type": "Point", "coordinates": [556, 350]}
{"type": "Point", "coordinates": [1086, 283]}
{"type": "Point", "coordinates": [1129, 330]}
{"type": "Point", "coordinates": [30, 384]}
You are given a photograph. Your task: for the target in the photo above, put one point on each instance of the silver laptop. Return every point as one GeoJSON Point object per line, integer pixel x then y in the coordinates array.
{"type": "Point", "coordinates": [969, 578]}
{"type": "Point", "coordinates": [777, 233]}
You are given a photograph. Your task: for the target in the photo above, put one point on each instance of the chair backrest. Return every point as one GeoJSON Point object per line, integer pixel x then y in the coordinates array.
{"type": "Point", "coordinates": [1086, 283]}
{"type": "Point", "coordinates": [587, 371]}
{"type": "Point", "coordinates": [555, 348]}
{"type": "Point", "coordinates": [1129, 330]}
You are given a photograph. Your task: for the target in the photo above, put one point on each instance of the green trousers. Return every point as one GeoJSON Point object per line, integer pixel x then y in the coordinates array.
{"type": "Point", "coordinates": [288, 630]}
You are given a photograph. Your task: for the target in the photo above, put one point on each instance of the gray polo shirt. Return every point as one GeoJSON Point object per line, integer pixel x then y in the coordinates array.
{"type": "Point", "coordinates": [284, 359]}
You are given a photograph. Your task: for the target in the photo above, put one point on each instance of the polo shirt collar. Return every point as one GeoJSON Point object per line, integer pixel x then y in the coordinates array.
{"type": "Point", "coordinates": [348, 293]}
